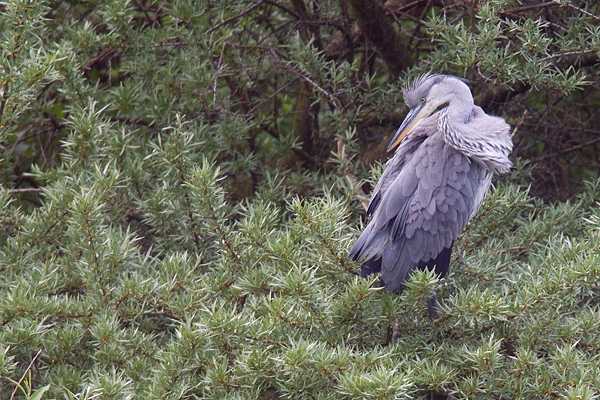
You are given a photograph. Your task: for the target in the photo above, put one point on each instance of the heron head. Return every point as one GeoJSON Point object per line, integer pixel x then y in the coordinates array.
{"type": "Point", "coordinates": [427, 95]}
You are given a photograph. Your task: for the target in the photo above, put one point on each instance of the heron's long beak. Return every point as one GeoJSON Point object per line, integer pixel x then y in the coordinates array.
{"type": "Point", "coordinates": [414, 116]}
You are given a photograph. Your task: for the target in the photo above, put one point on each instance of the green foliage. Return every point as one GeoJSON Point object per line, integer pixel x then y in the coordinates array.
{"type": "Point", "coordinates": [272, 305]}
{"type": "Point", "coordinates": [178, 194]}
{"type": "Point", "coordinates": [510, 51]}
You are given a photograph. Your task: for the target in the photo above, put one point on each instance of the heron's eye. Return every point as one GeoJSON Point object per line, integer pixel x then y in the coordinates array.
{"type": "Point", "coordinates": [422, 99]}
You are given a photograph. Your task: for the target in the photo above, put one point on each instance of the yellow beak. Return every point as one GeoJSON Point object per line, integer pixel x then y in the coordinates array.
{"type": "Point", "coordinates": [413, 116]}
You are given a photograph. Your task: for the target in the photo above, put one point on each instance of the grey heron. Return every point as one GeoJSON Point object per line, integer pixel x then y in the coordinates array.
{"type": "Point", "coordinates": [447, 150]}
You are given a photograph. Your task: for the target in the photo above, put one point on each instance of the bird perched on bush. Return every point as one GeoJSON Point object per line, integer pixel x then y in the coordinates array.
{"type": "Point", "coordinates": [447, 150]}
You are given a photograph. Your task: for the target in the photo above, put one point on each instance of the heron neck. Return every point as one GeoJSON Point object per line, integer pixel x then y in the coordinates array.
{"type": "Point", "coordinates": [480, 137]}
{"type": "Point", "coordinates": [459, 110]}
{"type": "Point", "coordinates": [453, 119]}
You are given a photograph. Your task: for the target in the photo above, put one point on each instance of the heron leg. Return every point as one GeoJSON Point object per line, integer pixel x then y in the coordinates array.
{"type": "Point", "coordinates": [433, 307]}
{"type": "Point", "coordinates": [395, 330]}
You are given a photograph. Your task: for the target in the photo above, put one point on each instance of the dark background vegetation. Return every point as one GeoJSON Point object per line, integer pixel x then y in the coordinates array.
{"type": "Point", "coordinates": [181, 181]}
{"type": "Point", "coordinates": [534, 63]}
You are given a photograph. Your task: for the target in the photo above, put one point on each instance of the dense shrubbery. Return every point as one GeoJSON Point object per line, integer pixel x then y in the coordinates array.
{"type": "Point", "coordinates": [178, 194]}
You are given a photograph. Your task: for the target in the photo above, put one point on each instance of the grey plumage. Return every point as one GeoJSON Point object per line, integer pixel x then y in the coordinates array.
{"type": "Point", "coordinates": [434, 183]}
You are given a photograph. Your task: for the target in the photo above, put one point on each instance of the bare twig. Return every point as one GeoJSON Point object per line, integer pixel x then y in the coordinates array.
{"type": "Point", "coordinates": [483, 76]}
{"type": "Point", "coordinates": [217, 73]}
{"type": "Point", "coordinates": [25, 190]}
{"type": "Point", "coordinates": [418, 27]}
{"type": "Point", "coordinates": [568, 53]}
{"type": "Point", "coordinates": [228, 20]}
{"type": "Point", "coordinates": [570, 149]}
{"type": "Point", "coordinates": [531, 7]}
{"type": "Point", "coordinates": [405, 6]}
{"type": "Point", "coordinates": [518, 124]}
{"type": "Point", "coordinates": [330, 96]}
{"type": "Point", "coordinates": [581, 10]}
{"type": "Point", "coordinates": [4, 97]}
{"type": "Point", "coordinates": [284, 8]}
{"type": "Point", "coordinates": [165, 44]}
{"type": "Point", "coordinates": [42, 147]}
{"type": "Point", "coordinates": [314, 84]}
{"type": "Point", "coordinates": [144, 9]}
{"type": "Point", "coordinates": [271, 97]}
{"type": "Point", "coordinates": [14, 393]}
{"type": "Point", "coordinates": [100, 57]}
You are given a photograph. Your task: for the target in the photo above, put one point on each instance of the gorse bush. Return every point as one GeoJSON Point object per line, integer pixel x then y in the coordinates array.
{"type": "Point", "coordinates": [181, 182]}
{"type": "Point", "coordinates": [266, 303]}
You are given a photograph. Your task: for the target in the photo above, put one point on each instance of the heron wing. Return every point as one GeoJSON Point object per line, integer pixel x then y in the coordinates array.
{"type": "Point", "coordinates": [423, 210]}
{"type": "Point", "coordinates": [371, 241]}
{"type": "Point", "coordinates": [399, 178]}
{"type": "Point", "coordinates": [396, 164]}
